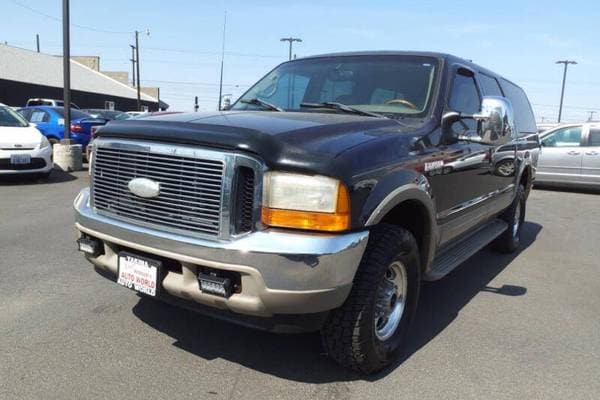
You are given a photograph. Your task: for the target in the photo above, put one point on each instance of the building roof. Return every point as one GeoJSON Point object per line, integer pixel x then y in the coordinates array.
{"type": "Point", "coordinates": [23, 65]}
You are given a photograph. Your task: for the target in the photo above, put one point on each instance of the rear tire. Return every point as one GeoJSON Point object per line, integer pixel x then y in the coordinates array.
{"type": "Point", "coordinates": [514, 216]}
{"type": "Point", "coordinates": [367, 332]}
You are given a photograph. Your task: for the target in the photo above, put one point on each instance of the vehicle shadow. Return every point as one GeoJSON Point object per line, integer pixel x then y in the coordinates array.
{"type": "Point", "coordinates": [57, 176]}
{"type": "Point", "coordinates": [300, 357]}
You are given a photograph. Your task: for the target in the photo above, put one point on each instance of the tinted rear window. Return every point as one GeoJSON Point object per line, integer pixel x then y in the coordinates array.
{"type": "Point", "coordinates": [523, 114]}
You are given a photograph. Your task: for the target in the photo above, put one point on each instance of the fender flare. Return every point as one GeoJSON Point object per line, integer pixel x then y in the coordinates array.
{"type": "Point", "coordinates": [415, 192]}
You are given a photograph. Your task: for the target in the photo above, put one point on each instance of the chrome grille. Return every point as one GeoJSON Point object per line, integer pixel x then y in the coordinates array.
{"type": "Point", "coordinates": [191, 188]}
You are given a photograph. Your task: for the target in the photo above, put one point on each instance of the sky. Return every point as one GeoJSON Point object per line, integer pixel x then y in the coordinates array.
{"type": "Point", "coordinates": [520, 40]}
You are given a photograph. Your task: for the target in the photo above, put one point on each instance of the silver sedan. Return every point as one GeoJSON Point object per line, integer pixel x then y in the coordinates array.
{"type": "Point", "coordinates": [570, 156]}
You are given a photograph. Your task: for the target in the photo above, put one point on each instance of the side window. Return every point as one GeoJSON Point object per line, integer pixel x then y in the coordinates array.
{"type": "Point", "coordinates": [594, 137]}
{"type": "Point", "coordinates": [39, 116]}
{"type": "Point", "coordinates": [489, 86]}
{"type": "Point", "coordinates": [524, 118]}
{"type": "Point", "coordinates": [465, 98]}
{"type": "Point", "coordinates": [566, 137]}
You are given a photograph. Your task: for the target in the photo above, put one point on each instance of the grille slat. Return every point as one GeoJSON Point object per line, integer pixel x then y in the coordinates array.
{"type": "Point", "coordinates": [164, 216]}
{"type": "Point", "coordinates": [190, 189]}
{"type": "Point", "coordinates": [189, 204]}
{"type": "Point", "coordinates": [169, 159]}
{"type": "Point", "coordinates": [166, 193]}
{"type": "Point", "coordinates": [162, 206]}
{"type": "Point", "coordinates": [168, 186]}
{"type": "Point", "coordinates": [147, 172]}
{"type": "Point", "coordinates": [162, 165]}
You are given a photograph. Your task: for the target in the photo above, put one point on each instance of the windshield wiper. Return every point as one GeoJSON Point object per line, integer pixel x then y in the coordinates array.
{"type": "Point", "coordinates": [341, 107]}
{"type": "Point", "coordinates": [258, 102]}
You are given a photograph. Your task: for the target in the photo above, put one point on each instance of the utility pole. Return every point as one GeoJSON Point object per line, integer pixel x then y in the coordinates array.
{"type": "Point", "coordinates": [158, 99]}
{"type": "Point", "coordinates": [132, 59]}
{"type": "Point", "coordinates": [37, 42]}
{"type": "Point", "coordinates": [562, 93]}
{"type": "Point", "coordinates": [591, 118]}
{"type": "Point", "coordinates": [291, 40]}
{"type": "Point", "coordinates": [222, 62]}
{"type": "Point", "coordinates": [66, 71]}
{"type": "Point", "coordinates": [137, 66]}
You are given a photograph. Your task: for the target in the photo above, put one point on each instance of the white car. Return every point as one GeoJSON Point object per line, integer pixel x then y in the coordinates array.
{"type": "Point", "coordinates": [570, 156]}
{"type": "Point", "coordinates": [23, 149]}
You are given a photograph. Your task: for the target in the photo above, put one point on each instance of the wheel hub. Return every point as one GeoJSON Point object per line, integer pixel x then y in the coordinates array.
{"type": "Point", "coordinates": [391, 299]}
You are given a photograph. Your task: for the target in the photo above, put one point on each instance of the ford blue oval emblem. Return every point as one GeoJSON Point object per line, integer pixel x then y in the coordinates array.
{"type": "Point", "coordinates": [144, 187]}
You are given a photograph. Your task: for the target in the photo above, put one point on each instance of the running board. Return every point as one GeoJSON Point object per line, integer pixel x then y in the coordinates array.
{"type": "Point", "coordinates": [456, 255]}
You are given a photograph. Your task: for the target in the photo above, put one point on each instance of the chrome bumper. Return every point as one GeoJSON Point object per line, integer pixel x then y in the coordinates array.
{"type": "Point", "coordinates": [282, 272]}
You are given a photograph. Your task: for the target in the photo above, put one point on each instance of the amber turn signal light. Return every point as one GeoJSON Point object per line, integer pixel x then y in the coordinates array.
{"type": "Point", "coordinates": [308, 220]}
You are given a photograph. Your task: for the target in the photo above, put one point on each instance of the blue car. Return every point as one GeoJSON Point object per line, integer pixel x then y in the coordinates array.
{"type": "Point", "coordinates": [50, 121]}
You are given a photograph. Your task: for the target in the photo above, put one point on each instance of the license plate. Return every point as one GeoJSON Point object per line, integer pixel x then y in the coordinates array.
{"type": "Point", "coordinates": [138, 273]}
{"type": "Point", "coordinates": [16, 159]}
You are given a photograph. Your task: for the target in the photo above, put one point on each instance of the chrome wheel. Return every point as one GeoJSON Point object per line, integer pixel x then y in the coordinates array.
{"type": "Point", "coordinates": [517, 220]}
{"type": "Point", "coordinates": [506, 169]}
{"type": "Point", "coordinates": [391, 299]}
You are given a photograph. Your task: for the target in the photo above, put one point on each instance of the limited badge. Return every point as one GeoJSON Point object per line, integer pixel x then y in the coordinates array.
{"type": "Point", "coordinates": [430, 166]}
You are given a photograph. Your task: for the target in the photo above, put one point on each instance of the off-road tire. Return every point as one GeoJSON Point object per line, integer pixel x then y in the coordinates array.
{"type": "Point", "coordinates": [349, 332]}
{"type": "Point", "coordinates": [510, 240]}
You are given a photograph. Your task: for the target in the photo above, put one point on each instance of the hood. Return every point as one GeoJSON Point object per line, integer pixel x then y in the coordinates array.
{"type": "Point", "coordinates": [293, 140]}
{"type": "Point", "coordinates": [19, 137]}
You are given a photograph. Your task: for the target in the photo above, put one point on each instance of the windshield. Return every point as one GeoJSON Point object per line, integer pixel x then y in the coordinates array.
{"type": "Point", "coordinates": [395, 86]}
{"type": "Point", "coordinates": [11, 118]}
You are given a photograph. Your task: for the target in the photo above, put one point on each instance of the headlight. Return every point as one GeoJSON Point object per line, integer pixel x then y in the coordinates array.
{"type": "Point", "coordinates": [44, 142]}
{"type": "Point", "coordinates": [305, 202]}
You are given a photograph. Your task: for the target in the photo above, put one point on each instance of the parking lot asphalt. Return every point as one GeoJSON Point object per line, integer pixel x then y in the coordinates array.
{"type": "Point", "coordinates": [525, 325]}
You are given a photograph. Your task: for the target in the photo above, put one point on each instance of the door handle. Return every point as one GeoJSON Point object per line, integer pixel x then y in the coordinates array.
{"type": "Point", "coordinates": [573, 153]}
{"type": "Point", "coordinates": [592, 153]}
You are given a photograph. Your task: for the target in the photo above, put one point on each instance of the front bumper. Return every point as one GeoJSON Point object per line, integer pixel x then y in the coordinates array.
{"type": "Point", "coordinates": [42, 161]}
{"type": "Point", "coordinates": [282, 272]}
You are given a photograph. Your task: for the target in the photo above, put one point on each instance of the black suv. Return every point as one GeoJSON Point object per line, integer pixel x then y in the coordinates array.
{"type": "Point", "coordinates": [320, 200]}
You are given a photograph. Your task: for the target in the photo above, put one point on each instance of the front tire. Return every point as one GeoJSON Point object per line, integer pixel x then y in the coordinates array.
{"type": "Point", "coordinates": [367, 332]}
{"type": "Point", "coordinates": [514, 216]}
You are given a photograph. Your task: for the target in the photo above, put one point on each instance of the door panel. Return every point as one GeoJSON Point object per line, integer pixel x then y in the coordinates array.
{"type": "Point", "coordinates": [561, 156]}
{"type": "Point", "coordinates": [590, 165]}
{"type": "Point", "coordinates": [459, 177]}
{"type": "Point", "coordinates": [460, 183]}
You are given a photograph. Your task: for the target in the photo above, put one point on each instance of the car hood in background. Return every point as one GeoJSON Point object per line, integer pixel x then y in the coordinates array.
{"type": "Point", "coordinates": [19, 137]}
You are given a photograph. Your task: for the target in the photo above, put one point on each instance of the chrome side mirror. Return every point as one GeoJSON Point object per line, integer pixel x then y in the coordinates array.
{"type": "Point", "coordinates": [496, 122]}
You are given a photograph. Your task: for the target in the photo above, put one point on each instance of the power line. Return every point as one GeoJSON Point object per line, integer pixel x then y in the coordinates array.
{"type": "Point", "coordinates": [195, 83]}
{"type": "Point", "coordinates": [586, 109]}
{"type": "Point", "coordinates": [33, 10]}
{"type": "Point", "coordinates": [216, 53]}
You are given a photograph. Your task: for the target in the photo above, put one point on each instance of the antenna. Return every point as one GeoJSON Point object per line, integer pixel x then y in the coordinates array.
{"type": "Point", "coordinates": [222, 61]}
